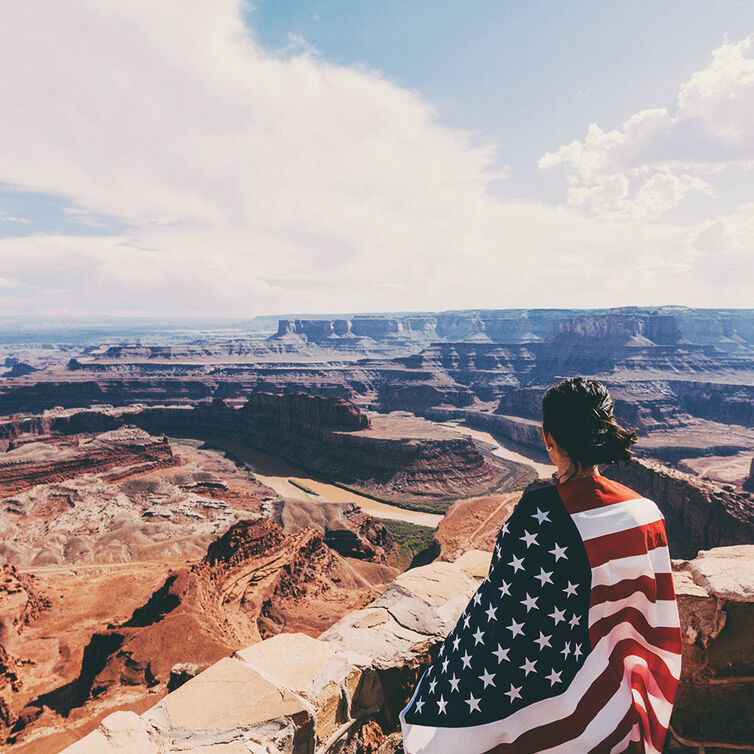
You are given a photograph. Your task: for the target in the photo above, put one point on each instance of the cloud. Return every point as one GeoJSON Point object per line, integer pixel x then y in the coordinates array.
{"type": "Point", "coordinates": [242, 182]}
{"type": "Point", "coordinates": [656, 159]}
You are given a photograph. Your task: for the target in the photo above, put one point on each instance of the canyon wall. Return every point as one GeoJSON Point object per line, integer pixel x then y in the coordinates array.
{"type": "Point", "coordinates": [327, 437]}
{"type": "Point", "coordinates": [699, 514]}
{"type": "Point", "coordinates": [33, 463]}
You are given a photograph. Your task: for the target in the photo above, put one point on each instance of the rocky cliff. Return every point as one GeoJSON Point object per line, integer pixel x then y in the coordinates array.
{"type": "Point", "coordinates": [423, 467]}
{"type": "Point", "coordinates": [255, 581]}
{"type": "Point", "coordinates": [699, 514]}
{"type": "Point", "coordinates": [32, 463]}
{"type": "Point", "coordinates": [343, 690]}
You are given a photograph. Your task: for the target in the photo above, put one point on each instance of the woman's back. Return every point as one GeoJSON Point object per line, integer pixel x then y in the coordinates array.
{"type": "Point", "coordinates": [571, 643]}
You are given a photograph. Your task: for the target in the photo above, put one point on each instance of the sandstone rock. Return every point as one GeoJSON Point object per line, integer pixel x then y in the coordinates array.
{"type": "Point", "coordinates": [119, 733]}
{"type": "Point", "coordinates": [726, 572]}
{"type": "Point", "coordinates": [311, 668]}
{"type": "Point", "coordinates": [476, 563]}
{"type": "Point", "coordinates": [229, 695]}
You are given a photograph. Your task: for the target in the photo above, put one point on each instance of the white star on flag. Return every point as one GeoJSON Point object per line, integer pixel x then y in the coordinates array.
{"type": "Point", "coordinates": [554, 677]}
{"type": "Point", "coordinates": [505, 589]}
{"type": "Point", "coordinates": [473, 703]}
{"type": "Point", "coordinates": [466, 660]}
{"type": "Point", "coordinates": [454, 683]}
{"type": "Point", "coordinates": [530, 602]}
{"type": "Point", "coordinates": [514, 692]}
{"type": "Point", "coordinates": [487, 678]}
{"type": "Point", "coordinates": [517, 563]}
{"type": "Point", "coordinates": [559, 552]}
{"type": "Point", "coordinates": [543, 641]}
{"type": "Point", "coordinates": [557, 616]}
{"type": "Point", "coordinates": [442, 704]}
{"type": "Point", "coordinates": [478, 636]}
{"type": "Point", "coordinates": [501, 654]}
{"type": "Point", "coordinates": [544, 576]}
{"type": "Point", "coordinates": [571, 589]}
{"type": "Point", "coordinates": [491, 612]}
{"type": "Point", "coordinates": [516, 628]}
{"type": "Point", "coordinates": [528, 666]}
{"type": "Point", "coordinates": [530, 539]}
{"type": "Point", "coordinates": [540, 516]}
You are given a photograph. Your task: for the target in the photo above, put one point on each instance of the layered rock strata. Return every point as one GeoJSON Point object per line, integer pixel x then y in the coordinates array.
{"type": "Point", "coordinates": [402, 459]}
{"type": "Point", "coordinates": [32, 463]}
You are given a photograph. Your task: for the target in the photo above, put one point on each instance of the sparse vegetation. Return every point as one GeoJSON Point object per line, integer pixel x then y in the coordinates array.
{"type": "Point", "coordinates": [303, 487]}
{"type": "Point", "coordinates": [409, 540]}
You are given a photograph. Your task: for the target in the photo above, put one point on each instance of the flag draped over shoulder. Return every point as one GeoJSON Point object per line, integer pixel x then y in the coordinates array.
{"type": "Point", "coordinates": [572, 642]}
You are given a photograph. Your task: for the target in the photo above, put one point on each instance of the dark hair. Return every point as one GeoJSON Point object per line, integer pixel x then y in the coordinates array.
{"type": "Point", "coordinates": [578, 413]}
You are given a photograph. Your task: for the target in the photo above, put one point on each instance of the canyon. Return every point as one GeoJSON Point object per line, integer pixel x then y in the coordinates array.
{"type": "Point", "coordinates": [175, 501]}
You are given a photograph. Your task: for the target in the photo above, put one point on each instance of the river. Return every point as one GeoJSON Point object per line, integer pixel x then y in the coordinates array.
{"type": "Point", "coordinates": [278, 475]}
{"type": "Point", "coordinates": [287, 480]}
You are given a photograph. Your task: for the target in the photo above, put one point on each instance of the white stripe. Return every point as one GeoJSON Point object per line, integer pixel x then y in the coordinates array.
{"type": "Point", "coordinates": [626, 631]}
{"type": "Point", "coordinates": [659, 614]}
{"type": "Point", "coordinates": [648, 745]}
{"type": "Point", "coordinates": [427, 739]}
{"type": "Point", "coordinates": [633, 735]}
{"type": "Point", "coordinates": [639, 666]}
{"type": "Point", "coordinates": [647, 564]}
{"type": "Point", "coordinates": [601, 725]}
{"type": "Point", "coordinates": [617, 517]}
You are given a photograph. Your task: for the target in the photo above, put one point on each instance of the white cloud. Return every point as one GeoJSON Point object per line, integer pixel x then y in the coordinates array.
{"type": "Point", "coordinates": [251, 183]}
{"type": "Point", "coordinates": [656, 159]}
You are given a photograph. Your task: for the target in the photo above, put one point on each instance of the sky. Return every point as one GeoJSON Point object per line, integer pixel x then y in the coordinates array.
{"type": "Point", "coordinates": [231, 158]}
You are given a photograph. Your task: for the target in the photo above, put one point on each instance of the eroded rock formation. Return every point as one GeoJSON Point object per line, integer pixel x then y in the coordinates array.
{"type": "Point", "coordinates": [255, 581]}
{"type": "Point", "coordinates": [129, 449]}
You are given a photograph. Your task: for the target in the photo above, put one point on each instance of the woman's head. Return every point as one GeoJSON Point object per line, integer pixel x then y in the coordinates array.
{"type": "Point", "coordinates": [578, 414]}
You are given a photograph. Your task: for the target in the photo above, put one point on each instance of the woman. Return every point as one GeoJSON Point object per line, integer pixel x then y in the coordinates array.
{"type": "Point", "coordinates": [572, 642]}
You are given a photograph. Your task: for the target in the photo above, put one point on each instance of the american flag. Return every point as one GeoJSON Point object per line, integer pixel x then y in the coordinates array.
{"type": "Point", "coordinates": [572, 642]}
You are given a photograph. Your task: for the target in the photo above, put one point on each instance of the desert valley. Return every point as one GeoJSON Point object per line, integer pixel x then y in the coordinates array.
{"type": "Point", "coordinates": [174, 493]}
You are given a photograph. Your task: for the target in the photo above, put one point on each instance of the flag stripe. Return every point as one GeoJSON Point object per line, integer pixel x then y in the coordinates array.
{"type": "Point", "coordinates": [659, 613]}
{"type": "Point", "coordinates": [663, 637]}
{"type": "Point", "coordinates": [616, 517]}
{"type": "Point", "coordinates": [603, 492]}
{"type": "Point", "coordinates": [650, 563]}
{"type": "Point", "coordinates": [622, 544]}
{"type": "Point", "coordinates": [666, 670]}
{"type": "Point", "coordinates": [619, 737]}
{"type": "Point", "coordinates": [659, 587]}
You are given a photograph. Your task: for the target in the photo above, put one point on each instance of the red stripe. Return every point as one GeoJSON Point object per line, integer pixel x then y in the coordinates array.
{"type": "Point", "coordinates": [665, 680]}
{"type": "Point", "coordinates": [623, 729]}
{"type": "Point", "coordinates": [593, 492]}
{"type": "Point", "coordinates": [623, 544]}
{"type": "Point", "coordinates": [658, 588]}
{"type": "Point", "coordinates": [663, 637]}
{"type": "Point", "coordinates": [566, 729]}
{"type": "Point", "coordinates": [651, 724]}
